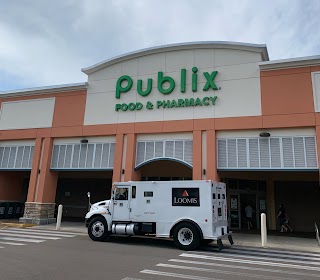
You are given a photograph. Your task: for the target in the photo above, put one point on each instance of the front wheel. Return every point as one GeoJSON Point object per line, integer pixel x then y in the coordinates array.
{"type": "Point", "coordinates": [98, 229]}
{"type": "Point", "coordinates": [186, 236]}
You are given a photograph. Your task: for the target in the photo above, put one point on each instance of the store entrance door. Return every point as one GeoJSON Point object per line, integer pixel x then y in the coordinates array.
{"type": "Point", "coordinates": [235, 219]}
{"type": "Point", "coordinates": [248, 199]}
{"type": "Point", "coordinates": [240, 194]}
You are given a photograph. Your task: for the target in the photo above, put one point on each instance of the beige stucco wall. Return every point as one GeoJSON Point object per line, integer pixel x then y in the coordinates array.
{"type": "Point", "coordinates": [238, 79]}
{"type": "Point", "coordinates": [23, 114]}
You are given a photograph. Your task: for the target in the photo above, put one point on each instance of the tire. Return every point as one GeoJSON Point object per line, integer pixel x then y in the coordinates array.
{"type": "Point", "coordinates": [186, 236]}
{"type": "Point", "coordinates": [98, 229]}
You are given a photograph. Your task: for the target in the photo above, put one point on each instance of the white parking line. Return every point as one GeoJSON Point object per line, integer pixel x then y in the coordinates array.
{"type": "Point", "coordinates": [12, 243]}
{"type": "Point", "coordinates": [2, 233]}
{"type": "Point", "coordinates": [128, 278]}
{"type": "Point", "coordinates": [176, 275]}
{"type": "Point", "coordinates": [52, 231]}
{"type": "Point", "coordinates": [215, 264]}
{"type": "Point", "coordinates": [265, 256]}
{"type": "Point", "coordinates": [22, 239]}
{"type": "Point", "coordinates": [262, 250]}
{"type": "Point", "coordinates": [223, 272]}
{"type": "Point", "coordinates": [251, 261]}
{"type": "Point", "coordinates": [36, 233]}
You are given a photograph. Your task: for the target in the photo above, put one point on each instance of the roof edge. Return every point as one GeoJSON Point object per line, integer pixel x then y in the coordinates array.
{"type": "Point", "coordinates": [290, 63]}
{"type": "Point", "coordinates": [43, 90]}
{"type": "Point", "coordinates": [260, 48]}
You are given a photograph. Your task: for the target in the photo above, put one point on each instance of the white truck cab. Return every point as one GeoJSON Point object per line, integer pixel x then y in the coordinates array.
{"type": "Point", "coordinates": [188, 211]}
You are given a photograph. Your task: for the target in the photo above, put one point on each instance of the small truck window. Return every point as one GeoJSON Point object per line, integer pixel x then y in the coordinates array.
{"type": "Point", "coordinates": [134, 191]}
{"type": "Point", "coordinates": [148, 194]}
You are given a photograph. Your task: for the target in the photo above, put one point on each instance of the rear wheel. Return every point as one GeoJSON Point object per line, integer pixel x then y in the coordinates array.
{"type": "Point", "coordinates": [98, 229]}
{"type": "Point", "coordinates": [186, 236]}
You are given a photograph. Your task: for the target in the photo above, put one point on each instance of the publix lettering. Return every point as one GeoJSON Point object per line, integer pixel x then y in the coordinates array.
{"type": "Point", "coordinates": [125, 83]}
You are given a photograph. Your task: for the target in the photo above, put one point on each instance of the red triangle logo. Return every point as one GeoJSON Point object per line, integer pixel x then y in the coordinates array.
{"type": "Point", "coordinates": [185, 193]}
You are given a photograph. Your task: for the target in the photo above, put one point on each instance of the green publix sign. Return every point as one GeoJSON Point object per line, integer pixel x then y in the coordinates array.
{"type": "Point", "coordinates": [125, 83]}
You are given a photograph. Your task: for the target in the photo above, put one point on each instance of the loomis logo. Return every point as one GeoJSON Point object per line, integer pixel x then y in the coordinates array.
{"type": "Point", "coordinates": [185, 197]}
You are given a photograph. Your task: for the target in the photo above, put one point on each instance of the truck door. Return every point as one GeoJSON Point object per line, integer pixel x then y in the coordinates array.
{"type": "Point", "coordinates": [121, 204]}
{"type": "Point", "coordinates": [221, 201]}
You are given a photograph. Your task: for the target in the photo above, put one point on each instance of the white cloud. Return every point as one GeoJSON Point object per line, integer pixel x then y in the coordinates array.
{"type": "Point", "coordinates": [48, 42]}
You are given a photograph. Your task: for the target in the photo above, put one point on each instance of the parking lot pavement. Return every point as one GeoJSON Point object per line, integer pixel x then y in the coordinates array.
{"type": "Point", "coordinates": [296, 242]}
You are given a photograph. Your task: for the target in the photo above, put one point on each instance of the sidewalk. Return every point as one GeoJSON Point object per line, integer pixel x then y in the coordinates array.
{"type": "Point", "coordinates": [278, 242]}
{"type": "Point", "coordinates": [294, 242]}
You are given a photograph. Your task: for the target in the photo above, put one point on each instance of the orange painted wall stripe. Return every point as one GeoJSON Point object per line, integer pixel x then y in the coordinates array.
{"type": "Point", "coordinates": [292, 120]}
{"type": "Point", "coordinates": [272, 121]}
{"type": "Point", "coordinates": [287, 71]}
{"type": "Point", "coordinates": [238, 123]}
{"type": "Point", "coordinates": [69, 110]}
{"type": "Point", "coordinates": [315, 68]}
{"type": "Point", "coordinates": [212, 173]}
{"type": "Point", "coordinates": [130, 174]}
{"type": "Point", "coordinates": [197, 156]}
{"type": "Point", "coordinates": [287, 94]}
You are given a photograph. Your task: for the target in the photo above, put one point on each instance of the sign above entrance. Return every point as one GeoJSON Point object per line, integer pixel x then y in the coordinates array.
{"type": "Point", "coordinates": [166, 85]}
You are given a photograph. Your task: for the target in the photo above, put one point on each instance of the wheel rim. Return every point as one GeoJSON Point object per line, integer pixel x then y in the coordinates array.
{"type": "Point", "coordinates": [97, 229]}
{"type": "Point", "coordinates": [185, 236]}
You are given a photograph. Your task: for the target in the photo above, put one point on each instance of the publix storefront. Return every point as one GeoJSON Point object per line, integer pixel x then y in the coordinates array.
{"type": "Point", "coordinates": [196, 111]}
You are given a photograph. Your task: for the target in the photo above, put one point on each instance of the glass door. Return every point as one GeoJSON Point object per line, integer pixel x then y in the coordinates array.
{"type": "Point", "coordinates": [235, 218]}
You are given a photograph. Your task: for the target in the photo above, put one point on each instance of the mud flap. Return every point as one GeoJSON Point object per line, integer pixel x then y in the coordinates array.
{"type": "Point", "coordinates": [317, 232]}
{"type": "Point", "coordinates": [220, 245]}
{"type": "Point", "coordinates": [230, 239]}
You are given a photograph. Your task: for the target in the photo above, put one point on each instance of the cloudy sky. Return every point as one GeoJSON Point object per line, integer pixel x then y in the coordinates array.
{"type": "Point", "coordinates": [46, 42]}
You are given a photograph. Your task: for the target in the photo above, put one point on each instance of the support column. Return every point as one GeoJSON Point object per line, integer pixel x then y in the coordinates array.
{"type": "Point", "coordinates": [35, 170]}
{"type": "Point", "coordinates": [197, 156]}
{"type": "Point", "coordinates": [271, 217]}
{"type": "Point", "coordinates": [117, 165]}
{"type": "Point", "coordinates": [130, 174]}
{"type": "Point", "coordinates": [41, 197]}
{"type": "Point", "coordinates": [212, 173]}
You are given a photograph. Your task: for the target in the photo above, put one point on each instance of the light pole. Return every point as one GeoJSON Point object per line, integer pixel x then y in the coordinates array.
{"type": "Point", "coordinates": [88, 194]}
